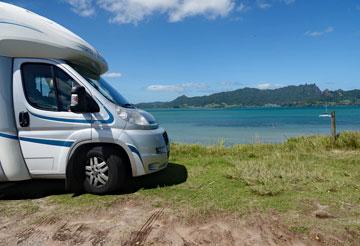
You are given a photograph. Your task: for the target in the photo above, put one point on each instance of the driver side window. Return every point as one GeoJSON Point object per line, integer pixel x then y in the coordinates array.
{"type": "Point", "coordinates": [39, 86]}
{"type": "Point", "coordinates": [47, 87]}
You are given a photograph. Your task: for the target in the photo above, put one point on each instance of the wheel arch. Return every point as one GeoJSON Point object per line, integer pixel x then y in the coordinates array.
{"type": "Point", "coordinates": [74, 177]}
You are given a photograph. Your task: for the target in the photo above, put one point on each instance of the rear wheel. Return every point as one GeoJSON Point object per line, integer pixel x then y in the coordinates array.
{"type": "Point", "coordinates": [104, 171]}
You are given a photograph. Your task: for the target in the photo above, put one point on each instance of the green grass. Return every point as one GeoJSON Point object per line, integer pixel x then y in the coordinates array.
{"type": "Point", "coordinates": [262, 176]}
{"type": "Point", "coordinates": [290, 178]}
{"type": "Point", "coordinates": [19, 208]}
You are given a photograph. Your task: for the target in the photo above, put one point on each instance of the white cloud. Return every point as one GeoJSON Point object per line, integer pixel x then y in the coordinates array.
{"type": "Point", "coordinates": [164, 88]}
{"type": "Point", "coordinates": [263, 86]}
{"type": "Point", "coordinates": [208, 8]}
{"type": "Point", "coordinates": [177, 88]}
{"type": "Point", "coordinates": [242, 8]}
{"type": "Point", "coordinates": [82, 7]}
{"type": "Point", "coordinates": [288, 2]}
{"type": "Point", "coordinates": [134, 11]}
{"type": "Point", "coordinates": [112, 75]}
{"type": "Point", "coordinates": [319, 33]}
{"type": "Point", "coordinates": [262, 4]}
{"type": "Point", "coordinates": [266, 86]}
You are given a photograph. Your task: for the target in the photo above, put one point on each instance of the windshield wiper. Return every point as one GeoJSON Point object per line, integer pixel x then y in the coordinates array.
{"type": "Point", "coordinates": [128, 105]}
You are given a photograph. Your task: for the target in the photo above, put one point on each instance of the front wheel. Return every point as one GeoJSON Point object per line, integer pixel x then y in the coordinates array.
{"type": "Point", "coordinates": [104, 171]}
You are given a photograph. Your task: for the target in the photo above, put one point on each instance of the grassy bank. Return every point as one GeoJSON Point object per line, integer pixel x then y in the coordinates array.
{"type": "Point", "coordinates": [313, 183]}
{"type": "Point", "coordinates": [304, 179]}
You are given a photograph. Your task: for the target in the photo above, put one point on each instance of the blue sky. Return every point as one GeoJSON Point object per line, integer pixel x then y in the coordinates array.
{"type": "Point", "coordinates": [160, 49]}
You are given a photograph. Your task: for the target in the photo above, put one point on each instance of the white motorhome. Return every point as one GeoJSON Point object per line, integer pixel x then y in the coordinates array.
{"type": "Point", "coordinates": [59, 119]}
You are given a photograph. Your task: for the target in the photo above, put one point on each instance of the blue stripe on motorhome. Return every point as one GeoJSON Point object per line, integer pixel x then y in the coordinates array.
{"type": "Point", "coordinates": [135, 150]}
{"type": "Point", "coordinates": [48, 141]}
{"type": "Point", "coordinates": [108, 121]}
{"type": "Point", "coordinates": [61, 119]}
{"type": "Point", "coordinates": [5, 135]}
{"type": "Point", "coordinates": [38, 140]}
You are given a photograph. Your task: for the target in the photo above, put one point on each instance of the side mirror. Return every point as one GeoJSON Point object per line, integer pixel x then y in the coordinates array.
{"type": "Point", "coordinates": [81, 102]}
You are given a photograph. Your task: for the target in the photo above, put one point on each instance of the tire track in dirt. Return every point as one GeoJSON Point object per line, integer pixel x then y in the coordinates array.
{"type": "Point", "coordinates": [139, 237]}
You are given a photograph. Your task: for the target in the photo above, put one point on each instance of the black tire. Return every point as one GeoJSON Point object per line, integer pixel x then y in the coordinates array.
{"type": "Point", "coordinates": [115, 172]}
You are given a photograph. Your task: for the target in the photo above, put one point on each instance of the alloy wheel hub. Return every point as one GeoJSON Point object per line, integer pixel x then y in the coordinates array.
{"type": "Point", "coordinates": [97, 172]}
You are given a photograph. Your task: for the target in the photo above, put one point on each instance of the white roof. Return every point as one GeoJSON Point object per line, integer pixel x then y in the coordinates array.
{"type": "Point", "coordinates": [26, 34]}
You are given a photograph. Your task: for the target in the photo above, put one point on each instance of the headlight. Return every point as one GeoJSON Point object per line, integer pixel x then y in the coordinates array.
{"type": "Point", "coordinates": [137, 117]}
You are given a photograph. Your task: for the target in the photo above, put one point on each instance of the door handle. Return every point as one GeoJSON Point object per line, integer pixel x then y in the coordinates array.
{"type": "Point", "coordinates": [24, 119]}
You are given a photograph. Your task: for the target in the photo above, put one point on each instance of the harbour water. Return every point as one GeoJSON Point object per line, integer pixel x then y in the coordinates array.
{"type": "Point", "coordinates": [252, 125]}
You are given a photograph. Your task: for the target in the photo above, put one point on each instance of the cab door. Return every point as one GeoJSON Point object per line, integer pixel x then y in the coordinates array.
{"type": "Point", "coordinates": [47, 129]}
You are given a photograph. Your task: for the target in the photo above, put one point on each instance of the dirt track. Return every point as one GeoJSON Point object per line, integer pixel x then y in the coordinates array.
{"type": "Point", "coordinates": [133, 223]}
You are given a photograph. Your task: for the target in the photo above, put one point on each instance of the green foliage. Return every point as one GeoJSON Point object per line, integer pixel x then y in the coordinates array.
{"type": "Point", "coordinates": [302, 95]}
{"type": "Point", "coordinates": [347, 140]}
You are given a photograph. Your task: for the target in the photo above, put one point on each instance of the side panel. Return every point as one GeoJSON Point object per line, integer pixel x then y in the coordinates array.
{"type": "Point", "coordinates": [12, 165]}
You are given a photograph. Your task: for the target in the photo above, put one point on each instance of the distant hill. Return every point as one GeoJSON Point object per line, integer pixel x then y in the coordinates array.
{"type": "Point", "coordinates": [301, 95]}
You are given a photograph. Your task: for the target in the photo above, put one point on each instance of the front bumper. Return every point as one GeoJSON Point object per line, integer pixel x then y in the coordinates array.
{"type": "Point", "coordinates": [150, 150]}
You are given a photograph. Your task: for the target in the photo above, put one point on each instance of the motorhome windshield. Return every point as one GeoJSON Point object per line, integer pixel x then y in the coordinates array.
{"type": "Point", "coordinates": [109, 92]}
